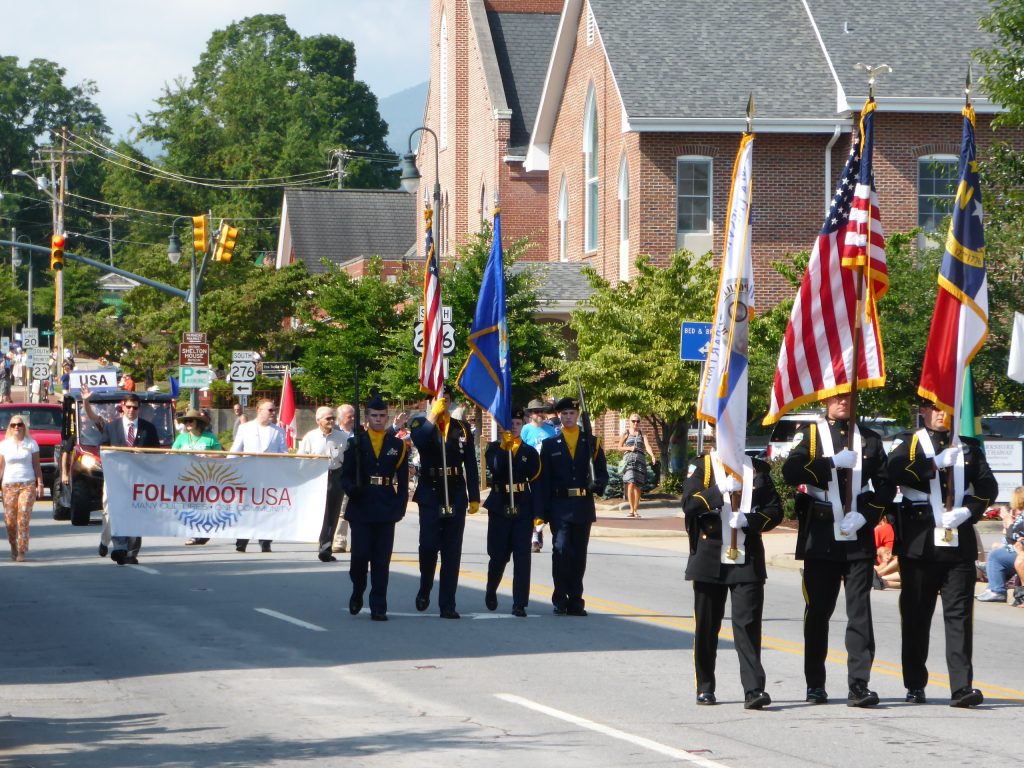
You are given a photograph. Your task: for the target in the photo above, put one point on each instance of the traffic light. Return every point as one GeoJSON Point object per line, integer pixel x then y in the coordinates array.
{"type": "Point", "coordinates": [57, 253]}
{"type": "Point", "coordinates": [200, 234]}
{"type": "Point", "coordinates": [226, 239]}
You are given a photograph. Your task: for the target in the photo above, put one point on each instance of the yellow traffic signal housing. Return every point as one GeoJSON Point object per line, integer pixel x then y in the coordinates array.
{"type": "Point", "coordinates": [200, 234]}
{"type": "Point", "coordinates": [226, 239]}
{"type": "Point", "coordinates": [57, 253]}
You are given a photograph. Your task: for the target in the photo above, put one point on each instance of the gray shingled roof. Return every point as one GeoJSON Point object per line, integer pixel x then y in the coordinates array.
{"type": "Point", "coordinates": [557, 281]}
{"type": "Point", "coordinates": [345, 224]}
{"type": "Point", "coordinates": [673, 59]}
{"type": "Point", "coordinates": [522, 46]}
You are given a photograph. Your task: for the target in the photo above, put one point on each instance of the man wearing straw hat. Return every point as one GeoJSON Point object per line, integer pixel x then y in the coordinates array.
{"type": "Point", "coordinates": [533, 434]}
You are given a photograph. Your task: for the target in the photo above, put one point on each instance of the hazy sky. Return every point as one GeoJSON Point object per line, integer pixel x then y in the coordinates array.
{"type": "Point", "coordinates": [132, 48]}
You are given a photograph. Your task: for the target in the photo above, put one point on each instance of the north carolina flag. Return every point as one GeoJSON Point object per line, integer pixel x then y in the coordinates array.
{"type": "Point", "coordinates": [486, 378]}
{"type": "Point", "coordinates": [723, 392]}
{"type": "Point", "coordinates": [960, 322]}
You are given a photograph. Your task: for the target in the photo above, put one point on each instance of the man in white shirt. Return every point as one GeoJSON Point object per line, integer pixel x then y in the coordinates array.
{"type": "Point", "coordinates": [327, 440]}
{"type": "Point", "coordinates": [347, 425]}
{"type": "Point", "coordinates": [261, 435]}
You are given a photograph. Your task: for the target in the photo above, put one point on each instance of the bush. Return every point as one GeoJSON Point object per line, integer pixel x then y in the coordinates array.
{"type": "Point", "coordinates": [672, 483]}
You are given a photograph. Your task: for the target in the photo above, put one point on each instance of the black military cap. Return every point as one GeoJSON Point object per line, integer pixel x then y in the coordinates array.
{"type": "Point", "coordinates": [567, 404]}
{"type": "Point", "coordinates": [376, 404]}
{"type": "Point", "coordinates": [518, 413]}
{"type": "Point", "coordinates": [924, 402]}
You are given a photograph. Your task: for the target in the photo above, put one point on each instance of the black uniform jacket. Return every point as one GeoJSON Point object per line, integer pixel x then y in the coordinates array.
{"type": "Point", "coordinates": [806, 465]}
{"type": "Point", "coordinates": [915, 521]}
{"type": "Point", "coordinates": [564, 475]}
{"type": "Point", "coordinates": [525, 471]}
{"type": "Point", "coordinates": [382, 493]}
{"type": "Point", "coordinates": [702, 503]}
{"type": "Point", "coordinates": [464, 486]}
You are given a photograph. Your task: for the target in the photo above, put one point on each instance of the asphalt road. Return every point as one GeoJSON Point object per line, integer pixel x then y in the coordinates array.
{"type": "Point", "coordinates": [205, 657]}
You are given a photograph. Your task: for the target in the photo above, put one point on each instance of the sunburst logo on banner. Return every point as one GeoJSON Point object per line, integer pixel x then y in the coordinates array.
{"type": "Point", "coordinates": [212, 473]}
{"type": "Point", "coordinates": [213, 519]}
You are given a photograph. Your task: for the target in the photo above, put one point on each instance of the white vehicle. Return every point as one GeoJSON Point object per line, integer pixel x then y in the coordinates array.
{"type": "Point", "coordinates": [792, 424]}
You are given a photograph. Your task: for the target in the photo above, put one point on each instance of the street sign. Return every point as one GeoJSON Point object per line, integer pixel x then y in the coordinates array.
{"type": "Point", "coordinates": [5, 344]}
{"type": "Point", "coordinates": [694, 341]}
{"type": "Point", "coordinates": [242, 356]}
{"type": "Point", "coordinates": [194, 377]}
{"type": "Point", "coordinates": [194, 354]}
{"type": "Point", "coordinates": [97, 380]}
{"type": "Point", "coordinates": [275, 370]}
{"type": "Point", "coordinates": [29, 337]}
{"type": "Point", "coordinates": [193, 337]}
{"type": "Point", "coordinates": [40, 371]}
{"type": "Point", "coordinates": [446, 314]}
{"type": "Point", "coordinates": [242, 371]}
{"type": "Point", "coordinates": [242, 387]}
{"type": "Point", "coordinates": [447, 338]}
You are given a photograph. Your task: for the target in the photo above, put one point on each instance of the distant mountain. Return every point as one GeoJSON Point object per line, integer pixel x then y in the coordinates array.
{"type": "Point", "coordinates": [403, 112]}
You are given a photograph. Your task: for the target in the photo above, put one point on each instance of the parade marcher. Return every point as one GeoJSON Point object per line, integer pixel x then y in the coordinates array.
{"type": "Point", "coordinates": [441, 526]}
{"type": "Point", "coordinates": [837, 547]}
{"type": "Point", "coordinates": [327, 440]}
{"type": "Point", "coordinates": [127, 431]}
{"type": "Point", "coordinates": [708, 497]}
{"type": "Point", "coordinates": [511, 509]}
{"type": "Point", "coordinates": [22, 481]}
{"type": "Point", "coordinates": [346, 423]}
{"type": "Point", "coordinates": [262, 435]}
{"type": "Point", "coordinates": [378, 494]}
{"type": "Point", "coordinates": [937, 547]}
{"type": "Point", "coordinates": [533, 434]}
{"type": "Point", "coordinates": [194, 437]}
{"type": "Point", "coordinates": [567, 500]}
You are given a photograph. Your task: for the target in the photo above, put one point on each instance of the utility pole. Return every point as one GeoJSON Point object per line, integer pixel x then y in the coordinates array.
{"type": "Point", "coordinates": [58, 309]}
{"type": "Point", "coordinates": [340, 157]}
{"type": "Point", "coordinates": [111, 218]}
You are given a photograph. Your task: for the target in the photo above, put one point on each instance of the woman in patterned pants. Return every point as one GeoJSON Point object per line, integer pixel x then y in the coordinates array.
{"type": "Point", "coordinates": [22, 482]}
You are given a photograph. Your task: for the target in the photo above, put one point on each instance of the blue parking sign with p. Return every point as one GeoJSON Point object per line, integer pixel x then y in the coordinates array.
{"type": "Point", "coordinates": [694, 341]}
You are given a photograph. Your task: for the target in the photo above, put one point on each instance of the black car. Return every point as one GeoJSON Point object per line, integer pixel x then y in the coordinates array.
{"type": "Point", "coordinates": [80, 447]}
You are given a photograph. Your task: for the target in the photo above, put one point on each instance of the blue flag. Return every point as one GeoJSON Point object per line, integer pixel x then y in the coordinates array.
{"type": "Point", "coordinates": [486, 378]}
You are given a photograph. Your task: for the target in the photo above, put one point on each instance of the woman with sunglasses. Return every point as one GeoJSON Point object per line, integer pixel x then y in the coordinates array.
{"type": "Point", "coordinates": [22, 483]}
{"type": "Point", "coordinates": [634, 474]}
{"type": "Point", "coordinates": [194, 437]}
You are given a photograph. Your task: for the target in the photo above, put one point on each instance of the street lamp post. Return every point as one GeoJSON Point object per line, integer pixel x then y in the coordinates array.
{"type": "Point", "coordinates": [58, 279]}
{"type": "Point", "coordinates": [16, 261]}
{"type": "Point", "coordinates": [411, 179]}
{"type": "Point", "coordinates": [174, 255]}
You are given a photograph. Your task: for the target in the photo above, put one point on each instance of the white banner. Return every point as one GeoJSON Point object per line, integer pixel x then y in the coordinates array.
{"type": "Point", "coordinates": [186, 494]}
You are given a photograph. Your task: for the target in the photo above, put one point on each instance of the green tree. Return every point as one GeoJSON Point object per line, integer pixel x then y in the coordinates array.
{"type": "Point", "coordinates": [628, 337]}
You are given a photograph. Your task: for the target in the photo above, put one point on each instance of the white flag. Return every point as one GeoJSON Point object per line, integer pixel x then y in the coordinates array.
{"type": "Point", "coordinates": [1015, 370]}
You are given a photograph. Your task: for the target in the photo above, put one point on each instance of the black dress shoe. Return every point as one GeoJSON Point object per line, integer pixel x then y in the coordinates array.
{"type": "Point", "coordinates": [325, 557]}
{"type": "Point", "coordinates": [131, 560]}
{"type": "Point", "coordinates": [706, 699]}
{"type": "Point", "coordinates": [559, 611]}
{"type": "Point", "coordinates": [450, 615]}
{"type": "Point", "coordinates": [967, 697]}
{"type": "Point", "coordinates": [491, 601]}
{"type": "Point", "coordinates": [916, 696]}
{"type": "Point", "coordinates": [240, 546]}
{"type": "Point", "coordinates": [861, 696]}
{"type": "Point", "coordinates": [378, 617]}
{"type": "Point", "coordinates": [518, 610]}
{"type": "Point", "coordinates": [422, 601]}
{"type": "Point", "coordinates": [355, 604]}
{"type": "Point", "coordinates": [103, 550]}
{"type": "Point", "coordinates": [756, 700]}
{"type": "Point", "coordinates": [264, 546]}
{"type": "Point", "coordinates": [119, 556]}
{"type": "Point", "coordinates": [576, 612]}
{"type": "Point", "coordinates": [817, 696]}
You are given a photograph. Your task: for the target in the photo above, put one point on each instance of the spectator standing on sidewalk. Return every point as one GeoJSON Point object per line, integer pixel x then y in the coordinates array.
{"type": "Point", "coordinates": [327, 440]}
{"type": "Point", "coordinates": [1000, 565]}
{"type": "Point", "coordinates": [533, 434]}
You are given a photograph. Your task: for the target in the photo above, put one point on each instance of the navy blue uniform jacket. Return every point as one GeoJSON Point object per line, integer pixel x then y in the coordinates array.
{"type": "Point", "coordinates": [562, 471]}
{"type": "Point", "coordinates": [525, 469]}
{"type": "Point", "coordinates": [460, 453]}
{"type": "Point", "coordinates": [376, 503]}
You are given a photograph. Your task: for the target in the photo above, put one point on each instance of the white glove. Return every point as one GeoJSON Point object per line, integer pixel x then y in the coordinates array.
{"type": "Point", "coordinates": [738, 520]}
{"type": "Point", "coordinates": [730, 485]}
{"type": "Point", "coordinates": [852, 522]}
{"type": "Point", "coordinates": [947, 458]}
{"type": "Point", "coordinates": [956, 516]}
{"type": "Point", "coordinates": [845, 459]}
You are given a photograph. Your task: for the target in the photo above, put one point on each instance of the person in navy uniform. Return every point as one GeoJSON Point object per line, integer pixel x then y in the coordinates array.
{"type": "Point", "coordinates": [937, 547]}
{"type": "Point", "coordinates": [441, 527]}
{"type": "Point", "coordinates": [511, 508]}
{"type": "Point", "coordinates": [838, 546]}
{"type": "Point", "coordinates": [378, 496]}
{"type": "Point", "coordinates": [567, 503]}
{"type": "Point", "coordinates": [716, 572]}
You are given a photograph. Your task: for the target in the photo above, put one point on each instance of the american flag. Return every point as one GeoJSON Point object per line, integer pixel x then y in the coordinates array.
{"type": "Point", "coordinates": [432, 359]}
{"type": "Point", "coordinates": [816, 359]}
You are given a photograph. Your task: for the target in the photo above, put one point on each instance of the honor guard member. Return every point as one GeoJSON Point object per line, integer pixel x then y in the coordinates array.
{"type": "Point", "coordinates": [838, 549]}
{"type": "Point", "coordinates": [937, 547]}
{"type": "Point", "coordinates": [511, 508]}
{"type": "Point", "coordinates": [717, 568]}
{"type": "Point", "coordinates": [442, 521]}
{"type": "Point", "coordinates": [377, 484]}
{"type": "Point", "coordinates": [567, 502]}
